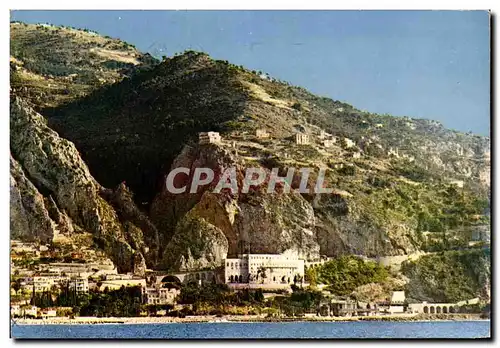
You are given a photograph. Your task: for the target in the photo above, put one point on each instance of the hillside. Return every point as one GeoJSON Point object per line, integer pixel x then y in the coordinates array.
{"type": "Point", "coordinates": [401, 185]}
{"type": "Point", "coordinates": [57, 64]}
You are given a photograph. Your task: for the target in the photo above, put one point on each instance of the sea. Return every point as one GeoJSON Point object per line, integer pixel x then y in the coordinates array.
{"type": "Point", "coordinates": [282, 330]}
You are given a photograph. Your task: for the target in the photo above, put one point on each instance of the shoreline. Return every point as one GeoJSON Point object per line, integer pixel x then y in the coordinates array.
{"type": "Point", "coordinates": [239, 319]}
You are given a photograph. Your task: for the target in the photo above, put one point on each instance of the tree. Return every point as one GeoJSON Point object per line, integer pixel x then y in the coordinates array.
{"type": "Point", "coordinates": [310, 276]}
{"type": "Point", "coordinates": [16, 285]}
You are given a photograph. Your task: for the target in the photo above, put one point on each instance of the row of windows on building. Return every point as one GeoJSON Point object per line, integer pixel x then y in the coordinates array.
{"type": "Point", "coordinates": [241, 279]}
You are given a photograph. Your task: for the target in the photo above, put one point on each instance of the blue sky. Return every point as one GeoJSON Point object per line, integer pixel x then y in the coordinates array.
{"type": "Point", "coordinates": [426, 64]}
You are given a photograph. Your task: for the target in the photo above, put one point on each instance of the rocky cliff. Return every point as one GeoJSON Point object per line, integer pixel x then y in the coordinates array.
{"type": "Point", "coordinates": [53, 192]}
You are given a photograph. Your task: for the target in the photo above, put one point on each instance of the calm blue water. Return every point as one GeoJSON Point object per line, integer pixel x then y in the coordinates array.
{"type": "Point", "coordinates": [453, 329]}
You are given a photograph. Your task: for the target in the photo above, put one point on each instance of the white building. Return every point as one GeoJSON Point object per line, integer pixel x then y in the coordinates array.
{"type": "Point", "coordinates": [15, 310]}
{"type": "Point", "coordinates": [49, 313]}
{"type": "Point", "coordinates": [348, 143]}
{"type": "Point", "coordinates": [261, 134]}
{"type": "Point", "coordinates": [119, 276]}
{"type": "Point", "coordinates": [457, 183]}
{"type": "Point", "coordinates": [301, 139]}
{"type": "Point", "coordinates": [267, 269]}
{"type": "Point", "coordinates": [324, 135]}
{"type": "Point", "coordinates": [31, 310]}
{"type": "Point", "coordinates": [328, 142]}
{"type": "Point", "coordinates": [160, 296]}
{"type": "Point", "coordinates": [209, 138]}
{"type": "Point", "coordinates": [393, 152]}
{"type": "Point", "coordinates": [20, 311]}
{"type": "Point", "coordinates": [397, 302]}
{"type": "Point", "coordinates": [45, 283]}
{"type": "Point", "coordinates": [117, 284]}
{"type": "Point", "coordinates": [81, 285]}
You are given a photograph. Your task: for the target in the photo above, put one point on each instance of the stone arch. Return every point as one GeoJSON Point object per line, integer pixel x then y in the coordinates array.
{"type": "Point", "coordinates": [438, 310]}
{"type": "Point", "coordinates": [432, 310]}
{"type": "Point", "coordinates": [452, 309]}
{"type": "Point", "coordinates": [240, 279]}
{"type": "Point", "coordinates": [231, 279]}
{"type": "Point", "coordinates": [426, 309]}
{"type": "Point", "coordinates": [445, 309]}
{"type": "Point", "coordinates": [171, 279]}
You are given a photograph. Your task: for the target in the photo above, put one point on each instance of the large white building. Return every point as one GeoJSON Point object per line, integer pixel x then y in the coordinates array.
{"type": "Point", "coordinates": [267, 269]}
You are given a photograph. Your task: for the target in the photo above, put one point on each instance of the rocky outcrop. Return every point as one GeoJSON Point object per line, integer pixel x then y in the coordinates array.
{"type": "Point", "coordinates": [196, 244]}
{"type": "Point", "coordinates": [49, 166]}
{"type": "Point", "coordinates": [342, 229]}
{"type": "Point", "coordinates": [29, 220]}
{"type": "Point", "coordinates": [264, 223]}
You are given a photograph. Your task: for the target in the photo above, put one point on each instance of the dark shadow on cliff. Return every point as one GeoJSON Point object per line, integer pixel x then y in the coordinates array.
{"type": "Point", "coordinates": [131, 131]}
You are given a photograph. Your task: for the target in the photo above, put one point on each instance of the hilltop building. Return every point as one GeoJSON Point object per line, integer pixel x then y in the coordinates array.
{"type": "Point", "coordinates": [209, 138]}
{"type": "Point", "coordinates": [301, 139]}
{"type": "Point", "coordinates": [261, 134]}
{"type": "Point", "coordinates": [324, 135]}
{"type": "Point", "coordinates": [329, 142]}
{"type": "Point", "coordinates": [348, 143]}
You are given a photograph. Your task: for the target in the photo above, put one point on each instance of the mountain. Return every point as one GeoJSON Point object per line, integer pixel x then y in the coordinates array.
{"type": "Point", "coordinates": [401, 185]}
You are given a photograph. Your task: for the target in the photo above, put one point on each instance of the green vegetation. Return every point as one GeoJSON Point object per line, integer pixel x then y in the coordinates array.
{"type": "Point", "coordinates": [301, 301]}
{"type": "Point", "coordinates": [124, 302]}
{"type": "Point", "coordinates": [413, 172]}
{"type": "Point", "coordinates": [449, 276]}
{"type": "Point", "coordinates": [218, 294]}
{"type": "Point", "coordinates": [344, 274]}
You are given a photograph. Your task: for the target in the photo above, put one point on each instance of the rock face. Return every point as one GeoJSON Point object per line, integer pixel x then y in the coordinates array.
{"type": "Point", "coordinates": [264, 223]}
{"type": "Point", "coordinates": [29, 220]}
{"type": "Point", "coordinates": [196, 244]}
{"type": "Point", "coordinates": [47, 167]}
